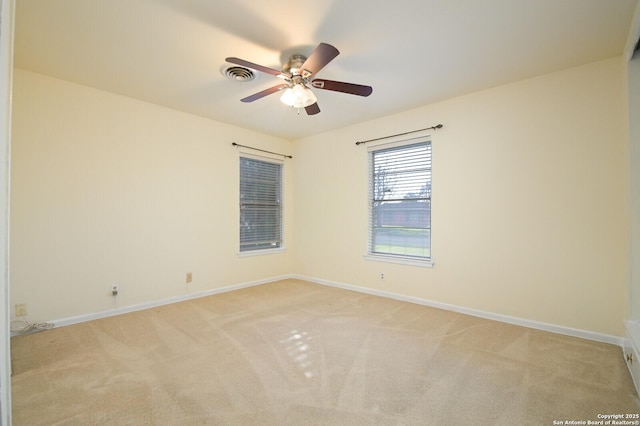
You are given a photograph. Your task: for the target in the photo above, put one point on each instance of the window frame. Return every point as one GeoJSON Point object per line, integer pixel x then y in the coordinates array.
{"type": "Point", "coordinates": [245, 249]}
{"type": "Point", "coordinates": [382, 256]}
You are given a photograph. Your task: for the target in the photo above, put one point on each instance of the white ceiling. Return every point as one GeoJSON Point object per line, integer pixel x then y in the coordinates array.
{"type": "Point", "coordinates": [413, 52]}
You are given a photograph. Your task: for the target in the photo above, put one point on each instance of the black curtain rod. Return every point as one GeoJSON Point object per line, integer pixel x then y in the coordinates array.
{"type": "Point", "coordinates": [436, 127]}
{"type": "Point", "coordinates": [262, 150]}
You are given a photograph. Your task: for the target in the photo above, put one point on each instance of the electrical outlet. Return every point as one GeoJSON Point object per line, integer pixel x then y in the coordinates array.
{"type": "Point", "coordinates": [21, 310]}
{"type": "Point", "coordinates": [189, 277]}
{"type": "Point", "coordinates": [115, 289]}
{"type": "Point", "coordinates": [382, 276]}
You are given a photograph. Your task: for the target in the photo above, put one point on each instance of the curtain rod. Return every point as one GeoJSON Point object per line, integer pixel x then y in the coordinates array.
{"type": "Point", "coordinates": [436, 127]}
{"type": "Point", "coordinates": [262, 150]}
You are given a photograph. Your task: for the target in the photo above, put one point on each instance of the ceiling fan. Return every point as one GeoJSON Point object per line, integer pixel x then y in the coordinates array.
{"type": "Point", "coordinates": [298, 74]}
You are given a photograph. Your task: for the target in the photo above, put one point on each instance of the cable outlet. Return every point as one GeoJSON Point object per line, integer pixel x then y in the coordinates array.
{"type": "Point", "coordinates": [189, 277]}
{"type": "Point", "coordinates": [21, 310]}
{"type": "Point", "coordinates": [382, 275]}
{"type": "Point", "coordinates": [115, 289]}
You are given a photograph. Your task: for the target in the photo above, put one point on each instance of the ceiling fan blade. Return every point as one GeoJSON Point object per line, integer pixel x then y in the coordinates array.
{"type": "Point", "coordinates": [264, 93]}
{"type": "Point", "coordinates": [321, 56]}
{"type": "Point", "coordinates": [257, 67]}
{"type": "Point", "coordinates": [340, 86]}
{"type": "Point", "coordinates": [312, 109]}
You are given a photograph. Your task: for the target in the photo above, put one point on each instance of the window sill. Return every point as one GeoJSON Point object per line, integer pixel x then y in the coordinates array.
{"type": "Point", "coordinates": [427, 263]}
{"type": "Point", "coordinates": [261, 252]}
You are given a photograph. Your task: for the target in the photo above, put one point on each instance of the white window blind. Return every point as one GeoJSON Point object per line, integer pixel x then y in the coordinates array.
{"type": "Point", "coordinates": [260, 204]}
{"type": "Point", "coordinates": [400, 201]}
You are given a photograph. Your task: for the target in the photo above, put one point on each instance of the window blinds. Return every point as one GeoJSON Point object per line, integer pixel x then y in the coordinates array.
{"type": "Point", "coordinates": [400, 201]}
{"type": "Point", "coordinates": [260, 204]}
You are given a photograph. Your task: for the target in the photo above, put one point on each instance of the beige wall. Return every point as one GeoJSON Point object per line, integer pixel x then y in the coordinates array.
{"type": "Point", "coordinates": [107, 189]}
{"type": "Point", "coordinates": [529, 201]}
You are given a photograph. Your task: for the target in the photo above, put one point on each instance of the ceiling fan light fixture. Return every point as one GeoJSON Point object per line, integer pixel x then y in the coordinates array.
{"type": "Point", "coordinates": [298, 96]}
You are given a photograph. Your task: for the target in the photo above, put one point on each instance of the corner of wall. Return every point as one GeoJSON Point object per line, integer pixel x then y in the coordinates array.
{"type": "Point", "coordinates": [631, 353]}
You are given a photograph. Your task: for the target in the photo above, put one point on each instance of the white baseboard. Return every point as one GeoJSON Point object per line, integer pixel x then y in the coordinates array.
{"type": "Point", "coordinates": [147, 305]}
{"type": "Point", "coordinates": [589, 335]}
{"type": "Point", "coordinates": [568, 331]}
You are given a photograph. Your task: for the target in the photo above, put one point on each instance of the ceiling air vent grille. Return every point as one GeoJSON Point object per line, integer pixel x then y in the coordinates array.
{"type": "Point", "coordinates": [239, 74]}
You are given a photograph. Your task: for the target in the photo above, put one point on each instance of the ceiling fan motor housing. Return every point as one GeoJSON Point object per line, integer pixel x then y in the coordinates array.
{"type": "Point", "coordinates": [294, 64]}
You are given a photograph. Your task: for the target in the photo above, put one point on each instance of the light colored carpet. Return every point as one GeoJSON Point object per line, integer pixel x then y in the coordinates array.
{"type": "Point", "coordinates": [296, 353]}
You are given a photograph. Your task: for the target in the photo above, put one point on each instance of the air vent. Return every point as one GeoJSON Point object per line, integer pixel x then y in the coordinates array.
{"type": "Point", "coordinates": [236, 73]}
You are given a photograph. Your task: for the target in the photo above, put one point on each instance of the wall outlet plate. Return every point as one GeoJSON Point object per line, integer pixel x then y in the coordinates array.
{"type": "Point", "coordinates": [21, 310]}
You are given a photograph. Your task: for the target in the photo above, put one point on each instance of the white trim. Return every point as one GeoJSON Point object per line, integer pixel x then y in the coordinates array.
{"type": "Point", "coordinates": [7, 22]}
{"type": "Point", "coordinates": [631, 348]}
{"type": "Point", "coordinates": [558, 329]}
{"type": "Point", "coordinates": [401, 140]}
{"type": "Point", "coordinates": [427, 263]}
{"type": "Point", "coordinates": [269, 158]}
{"type": "Point", "coordinates": [259, 252]}
{"type": "Point", "coordinates": [371, 151]}
{"type": "Point", "coordinates": [156, 303]}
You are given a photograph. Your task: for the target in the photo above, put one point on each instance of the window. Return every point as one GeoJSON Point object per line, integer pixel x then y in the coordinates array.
{"type": "Point", "coordinates": [260, 205]}
{"type": "Point", "coordinates": [400, 201]}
